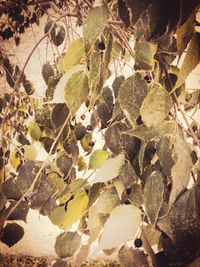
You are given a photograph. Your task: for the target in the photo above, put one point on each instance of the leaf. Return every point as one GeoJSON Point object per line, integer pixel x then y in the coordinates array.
{"type": "Point", "coordinates": [151, 234]}
{"type": "Point", "coordinates": [59, 114]}
{"type": "Point", "coordinates": [97, 158]}
{"type": "Point", "coordinates": [20, 213]}
{"type": "Point", "coordinates": [94, 25]}
{"type": "Point", "coordinates": [34, 131]}
{"type": "Point", "coordinates": [129, 257]}
{"type": "Point", "coordinates": [112, 137]}
{"type": "Point", "coordinates": [58, 37]}
{"type": "Point", "coordinates": [59, 92]}
{"type": "Point", "coordinates": [74, 54]}
{"type": "Point", "coordinates": [75, 209]}
{"type": "Point", "coordinates": [184, 34]}
{"type": "Point", "coordinates": [95, 67]}
{"type": "Point", "coordinates": [109, 169]}
{"type": "Point", "coordinates": [144, 55]}
{"type": "Point", "coordinates": [191, 60]}
{"type": "Point", "coordinates": [64, 163]}
{"type": "Point", "coordinates": [47, 72]}
{"type": "Point", "coordinates": [57, 216]}
{"type": "Point", "coordinates": [132, 92]}
{"type": "Point", "coordinates": [107, 52]}
{"type": "Point", "coordinates": [119, 187]}
{"type": "Point", "coordinates": [30, 152]}
{"type": "Point", "coordinates": [137, 195]}
{"type": "Point", "coordinates": [121, 226]}
{"type": "Point", "coordinates": [130, 145]}
{"type": "Point", "coordinates": [67, 244]}
{"type": "Point", "coordinates": [12, 233]}
{"type": "Point", "coordinates": [76, 91]}
{"type": "Point", "coordinates": [26, 176]}
{"type": "Point", "coordinates": [141, 155]}
{"type": "Point", "coordinates": [11, 190]}
{"type": "Point", "coordinates": [155, 106]}
{"type": "Point", "coordinates": [15, 159]}
{"type": "Point", "coordinates": [107, 201]}
{"type": "Point", "coordinates": [57, 185]}
{"type": "Point", "coordinates": [82, 255]}
{"type": "Point", "coordinates": [180, 172]}
{"type": "Point", "coordinates": [153, 195]}
{"type": "Point", "coordinates": [127, 175]}
{"type": "Point", "coordinates": [116, 84]}
{"type": "Point", "coordinates": [165, 150]}
{"type": "Point", "coordinates": [144, 133]}
{"type": "Point", "coordinates": [94, 193]}
{"type": "Point", "coordinates": [85, 142]}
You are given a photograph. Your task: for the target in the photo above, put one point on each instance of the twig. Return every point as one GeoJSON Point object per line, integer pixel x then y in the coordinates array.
{"type": "Point", "coordinates": [96, 119]}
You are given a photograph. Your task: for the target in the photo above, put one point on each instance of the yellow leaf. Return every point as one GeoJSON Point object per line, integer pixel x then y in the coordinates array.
{"type": "Point", "coordinates": [30, 152]}
{"type": "Point", "coordinates": [15, 159]}
{"type": "Point", "coordinates": [6, 126]}
{"type": "Point", "coordinates": [76, 208]}
{"type": "Point", "coordinates": [34, 131]}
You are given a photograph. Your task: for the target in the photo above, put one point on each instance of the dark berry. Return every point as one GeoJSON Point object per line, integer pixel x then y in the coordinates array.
{"type": "Point", "coordinates": [91, 144]}
{"type": "Point", "coordinates": [147, 78]}
{"type": "Point", "coordinates": [83, 116]}
{"type": "Point", "coordinates": [102, 46]}
{"type": "Point", "coordinates": [138, 242]}
{"type": "Point", "coordinates": [128, 191]}
{"type": "Point", "coordinates": [89, 127]}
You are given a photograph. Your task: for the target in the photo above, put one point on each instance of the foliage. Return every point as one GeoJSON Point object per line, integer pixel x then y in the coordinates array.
{"type": "Point", "coordinates": [141, 173]}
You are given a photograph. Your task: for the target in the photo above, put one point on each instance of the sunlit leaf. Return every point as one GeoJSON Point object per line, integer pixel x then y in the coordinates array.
{"type": "Point", "coordinates": [153, 195]}
{"type": "Point", "coordinates": [121, 226]}
{"type": "Point", "coordinates": [76, 208]}
{"type": "Point", "coordinates": [67, 244]}
{"type": "Point", "coordinates": [97, 158]}
{"type": "Point", "coordinates": [59, 92]}
{"type": "Point", "coordinates": [109, 169]}
{"type": "Point", "coordinates": [94, 25]}
{"type": "Point", "coordinates": [34, 131]}
{"type": "Point", "coordinates": [184, 34]}
{"type": "Point", "coordinates": [144, 55]}
{"type": "Point", "coordinates": [191, 60]}
{"type": "Point", "coordinates": [155, 106]}
{"type": "Point", "coordinates": [30, 152]}
{"type": "Point", "coordinates": [95, 67]}
{"type": "Point", "coordinates": [76, 91]}
{"type": "Point", "coordinates": [85, 142]}
{"type": "Point", "coordinates": [144, 133]}
{"type": "Point", "coordinates": [56, 183]}
{"type": "Point", "coordinates": [119, 187]}
{"type": "Point", "coordinates": [180, 172]}
{"type": "Point", "coordinates": [132, 92]}
{"type": "Point", "coordinates": [151, 234]}
{"type": "Point", "coordinates": [15, 159]}
{"type": "Point", "coordinates": [74, 54]}
{"type": "Point", "coordinates": [129, 257]}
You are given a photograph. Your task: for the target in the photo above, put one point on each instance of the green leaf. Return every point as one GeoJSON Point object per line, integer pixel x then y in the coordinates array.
{"type": "Point", "coordinates": [144, 55]}
{"type": "Point", "coordinates": [85, 142]}
{"type": "Point", "coordinates": [131, 94]}
{"type": "Point", "coordinates": [129, 257]}
{"type": "Point", "coordinates": [165, 151]}
{"type": "Point", "coordinates": [30, 152]}
{"type": "Point", "coordinates": [144, 133]}
{"type": "Point", "coordinates": [180, 171]}
{"type": "Point", "coordinates": [155, 106]}
{"type": "Point", "coordinates": [95, 67]}
{"type": "Point", "coordinates": [56, 183]}
{"type": "Point", "coordinates": [97, 158]}
{"type": "Point", "coordinates": [74, 54]}
{"type": "Point", "coordinates": [94, 25]}
{"type": "Point", "coordinates": [67, 244]}
{"type": "Point", "coordinates": [64, 163]}
{"type": "Point", "coordinates": [109, 169]}
{"type": "Point", "coordinates": [121, 226]}
{"type": "Point", "coordinates": [184, 34]}
{"type": "Point", "coordinates": [153, 195]}
{"type": "Point", "coordinates": [191, 60]}
{"type": "Point", "coordinates": [75, 209]}
{"type": "Point", "coordinates": [116, 84]}
{"type": "Point", "coordinates": [34, 131]}
{"type": "Point", "coordinates": [76, 91]}
{"type": "Point", "coordinates": [57, 216]}
{"type": "Point", "coordinates": [107, 52]}
{"type": "Point", "coordinates": [59, 92]}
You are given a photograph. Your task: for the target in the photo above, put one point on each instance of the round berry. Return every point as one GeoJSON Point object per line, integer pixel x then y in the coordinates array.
{"type": "Point", "coordinates": [91, 144]}
{"type": "Point", "coordinates": [138, 242]}
{"type": "Point", "coordinates": [136, 67]}
{"type": "Point", "coordinates": [102, 46]}
{"type": "Point", "coordinates": [83, 116]}
{"type": "Point", "coordinates": [89, 127]}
